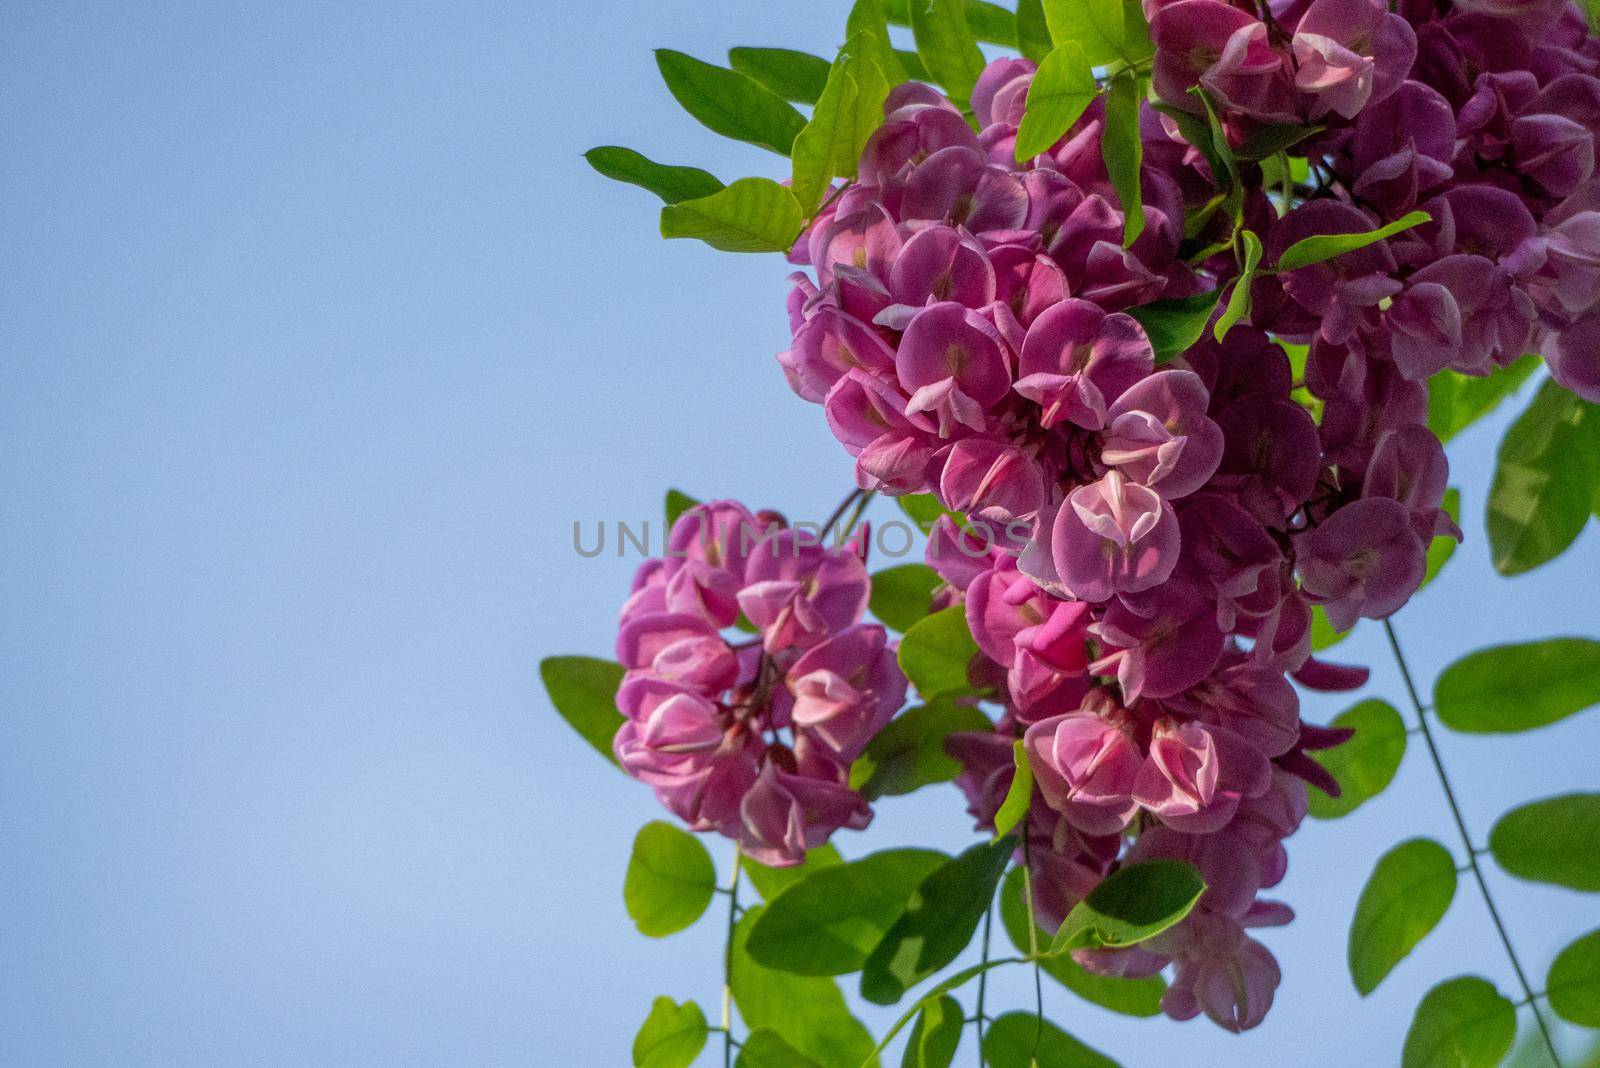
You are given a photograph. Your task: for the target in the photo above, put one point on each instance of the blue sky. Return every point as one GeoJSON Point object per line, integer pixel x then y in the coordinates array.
{"type": "Point", "coordinates": [316, 335]}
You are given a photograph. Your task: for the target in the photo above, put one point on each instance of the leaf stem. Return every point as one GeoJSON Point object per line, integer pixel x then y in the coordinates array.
{"type": "Point", "coordinates": [1466, 839]}
{"type": "Point", "coordinates": [983, 980]}
{"type": "Point", "coordinates": [727, 962]}
{"type": "Point", "coordinates": [1033, 942]}
{"type": "Point", "coordinates": [838, 513]}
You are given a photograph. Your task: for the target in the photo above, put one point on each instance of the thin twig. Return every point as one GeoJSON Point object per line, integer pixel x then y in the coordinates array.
{"type": "Point", "coordinates": [727, 962]}
{"type": "Point", "coordinates": [838, 513]}
{"type": "Point", "coordinates": [983, 980]}
{"type": "Point", "coordinates": [1466, 839]}
{"type": "Point", "coordinates": [1033, 942]}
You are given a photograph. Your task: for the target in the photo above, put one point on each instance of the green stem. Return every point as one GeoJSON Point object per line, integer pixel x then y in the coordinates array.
{"type": "Point", "coordinates": [727, 962]}
{"type": "Point", "coordinates": [855, 516]}
{"type": "Point", "coordinates": [1466, 839]}
{"type": "Point", "coordinates": [1033, 942]}
{"type": "Point", "coordinates": [838, 513]}
{"type": "Point", "coordinates": [983, 979]}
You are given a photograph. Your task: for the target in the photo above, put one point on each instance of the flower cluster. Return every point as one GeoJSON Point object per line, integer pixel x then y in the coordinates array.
{"type": "Point", "coordinates": [753, 737]}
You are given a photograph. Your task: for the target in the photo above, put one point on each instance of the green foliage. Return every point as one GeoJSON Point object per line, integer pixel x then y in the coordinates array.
{"type": "Point", "coordinates": [765, 1048]}
{"type": "Point", "coordinates": [1107, 31]}
{"type": "Point", "coordinates": [1023, 1040]}
{"type": "Point", "coordinates": [935, 1036]}
{"type": "Point", "coordinates": [1264, 144]}
{"type": "Point", "coordinates": [1456, 401]}
{"type": "Point", "coordinates": [934, 653]}
{"type": "Point", "coordinates": [809, 1013]}
{"type": "Point", "coordinates": [924, 510]}
{"type": "Point", "coordinates": [850, 108]}
{"type": "Point", "coordinates": [1239, 300]}
{"type": "Point", "coordinates": [797, 76]}
{"type": "Point", "coordinates": [937, 923]}
{"type": "Point", "coordinates": [1544, 480]}
{"type": "Point", "coordinates": [902, 595]}
{"type": "Point", "coordinates": [828, 922]}
{"type": "Point", "coordinates": [1573, 986]}
{"type": "Point", "coordinates": [986, 21]}
{"type": "Point", "coordinates": [670, 183]}
{"type": "Point", "coordinates": [1556, 840]}
{"type": "Point", "coordinates": [1406, 896]}
{"type": "Point", "coordinates": [909, 752]}
{"type": "Point", "coordinates": [678, 502]}
{"type": "Point", "coordinates": [946, 46]}
{"type": "Point", "coordinates": [770, 882]}
{"type": "Point", "coordinates": [1132, 904]}
{"type": "Point", "coordinates": [1061, 89]}
{"type": "Point", "coordinates": [670, 879]}
{"type": "Point", "coordinates": [1366, 764]}
{"type": "Point", "coordinates": [751, 215]}
{"type": "Point", "coordinates": [583, 690]}
{"type": "Point", "coordinates": [939, 990]}
{"type": "Point", "coordinates": [1443, 547]}
{"type": "Point", "coordinates": [1323, 636]}
{"type": "Point", "coordinates": [1130, 997]}
{"type": "Point", "coordinates": [1519, 687]}
{"type": "Point", "coordinates": [1175, 324]}
{"type": "Point", "coordinates": [1020, 794]}
{"type": "Point", "coordinates": [1461, 1023]}
{"type": "Point", "coordinates": [1309, 250]}
{"type": "Point", "coordinates": [671, 1036]}
{"type": "Point", "coordinates": [1123, 150]}
{"type": "Point", "coordinates": [730, 103]}
{"type": "Point", "coordinates": [867, 16]}
{"type": "Point", "coordinates": [1033, 31]}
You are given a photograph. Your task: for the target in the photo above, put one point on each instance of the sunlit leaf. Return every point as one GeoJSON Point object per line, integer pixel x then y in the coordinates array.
{"type": "Point", "coordinates": [1022, 1040]}
{"type": "Point", "coordinates": [1106, 30]}
{"type": "Point", "coordinates": [867, 16]}
{"type": "Point", "coordinates": [1406, 896]}
{"type": "Point", "coordinates": [850, 108]}
{"type": "Point", "coordinates": [1573, 986]}
{"type": "Point", "coordinates": [1122, 148]}
{"type": "Point", "coordinates": [1461, 1023]}
{"type": "Point", "coordinates": [678, 502]}
{"type": "Point", "coordinates": [1309, 250]}
{"type": "Point", "coordinates": [671, 1036]}
{"type": "Point", "coordinates": [986, 21]}
{"type": "Point", "coordinates": [765, 1048]}
{"type": "Point", "coordinates": [828, 922]}
{"type": "Point", "coordinates": [935, 1036]}
{"type": "Point", "coordinates": [670, 879]}
{"type": "Point", "coordinates": [670, 183]}
{"type": "Point", "coordinates": [807, 1012]}
{"type": "Point", "coordinates": [797, 76]}
{"type": "Point", "coordinates": [751, 215]}
{"type": "Point", "coordinates": [935, 652]}
{"type": "Point", "coordinates": [1456, 401]}
{"type": "Point", "coordinates": [903, 595]}
{"type": "Point", "coordinates": [1019, 795]}
{"type": "Point", "coordinates": [1443, 547]}
{"type": "Point", "coordinates": [730, 103]}
{"type": "Point", "coordinates": [1062, 88]}
{"type": "Point", "coordinates": [1033, 32]}
{"type": "Point", "coordinates": [1544, 480]}
{"type": "Point", "coordinates": [909, 753]}
{"type": "Point", "coordinates": [1518, 687]}
{"type": "Point", "coordinates": [1323, 636]}
{"type": "Point", "coordinates": [946, 46]}
{"type": "Point", "coordinates": [583, 690]}
{"type": "Point", "coordinates": [770, 882]}
{"type": "Point", "coordinates": [1366, 764]}
{"type": "Point", "coordinates": [939, 990]}
{"type": "Point", "coordinates": [1556, 840]}
{"type": "Point", "coordinates": [1132, 904]}
{"type": "Point", "coordinates": [937, 923]}
{"type": "Point", "coordinates": [1239, 299]}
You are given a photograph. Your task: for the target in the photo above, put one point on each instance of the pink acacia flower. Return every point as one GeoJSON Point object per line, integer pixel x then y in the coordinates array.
{"type": "Point", "coordinates": [1159, 435]}
{"type": "Point", "coordinates": [951, 362]}
{"type": "Point", "coordinates": [1086, 769]}
{"type": "Point", "coordinates": [1364, 560]}
{"type": "Point", "coordinates": [846, 689]}
{"type": "Point", "coordinates": [1195, 776]}
{"type": "Point", "coordinates": [1114, 536]}
{"type": "Point", "coordinates": [1077, 360]}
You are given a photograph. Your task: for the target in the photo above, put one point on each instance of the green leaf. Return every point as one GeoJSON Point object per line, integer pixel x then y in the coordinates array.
{"type": "Point", "coordinates": [866, 16]}
{"type": "Point", "coordinates": [1106, 30]}
{"type": "Point", "coordinates": [765, 1048]}
{"type": "Point", "coordinates": [1130, 997]}
{"type": "Point", "coordinates": [1456, 401]}
{"type": "Point", "coordinates": [670, 879]}
{"type": "Point", "coordinates": [1033, 32]}
{"type": "Point", "coordinates": [770, 882]}
{"type": "Point", "coordinates": [671, 1036]}
{"type": "Point", "coordinates": [1130, 905]}
{"type": "Point", "coordinates": [1366, 764]}
{"type": "Point", "coordinates": [911, 63]}
{"type": "Point", "coordinates": [671, 184]}
{"type": "Point", "coordinates": [1123, 150]}
{"type": "Point", "coordinates": [909, 752]}
{"type": "Point", "coordinates": [1023, 1040]}
{"type": "Point", "coordinates": [939, 990]}
{"type": "Point", "coordinates": [934, 653]}
{"type": "Point", "coordinates": [986, 21]}
{"type": "Point", "coordinates": [1267, 141]}
{"type": "Point", "coordinates": [1518, 687]}
{"type": "Point", "coordinates": [1573, 987]}
{"type": "Point", "coordinates": [902, 595]}
{"type": "Point", "coordinates": [1544, 481]}
{"type": "Point", "coordinates": [1443, 547]}
{"type": "Point", "coordinates": [1406, 896]}
{"type": "Point", "coordinates": [1309, 250]}
{"type": "Point", "coordinates": [1323, 636]}
{"type": "Point", "coordinates": [850, 108]}
{"type": "Point", "coordinates": [1020, 794]}
{"type": "Point", "coordinates": [1461, 1023]}
{"type": "Point", "coordinates": [937, 923]}
{"type": "Point", "coordinates": [807, 1012]}
{"type": "Point", "coordinates": [936, 1036]}
{"type": "Point", "coordinates": [1556, 840]}
{"type": "Point", "coordinates": [730, 103]}
{"type": "Point", "coordinates": [583, 690]}
{"type": "Point", "coordinates": [924, 510]}
{"type": "Point", "coordinates": [946, 46]}
{"type": "Point", "coordinates": [797, 76]}
{"type": "Point", "coordinates": [1175, 324]}
{"type": "Point", "coordinates": [678, 502]}
{"type": "Point", "coordinates": [751, 215]}
{"type": "Point", "coordinates": [1061, 89]}
{"type": "Point", "coordinates": [1239, 300]}
{"type": "Point", "coordinates": [828, 922]}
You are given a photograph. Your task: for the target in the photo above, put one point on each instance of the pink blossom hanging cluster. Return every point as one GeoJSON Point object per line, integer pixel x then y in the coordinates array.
{"type": "Point", "coordinates": [751, 733]}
